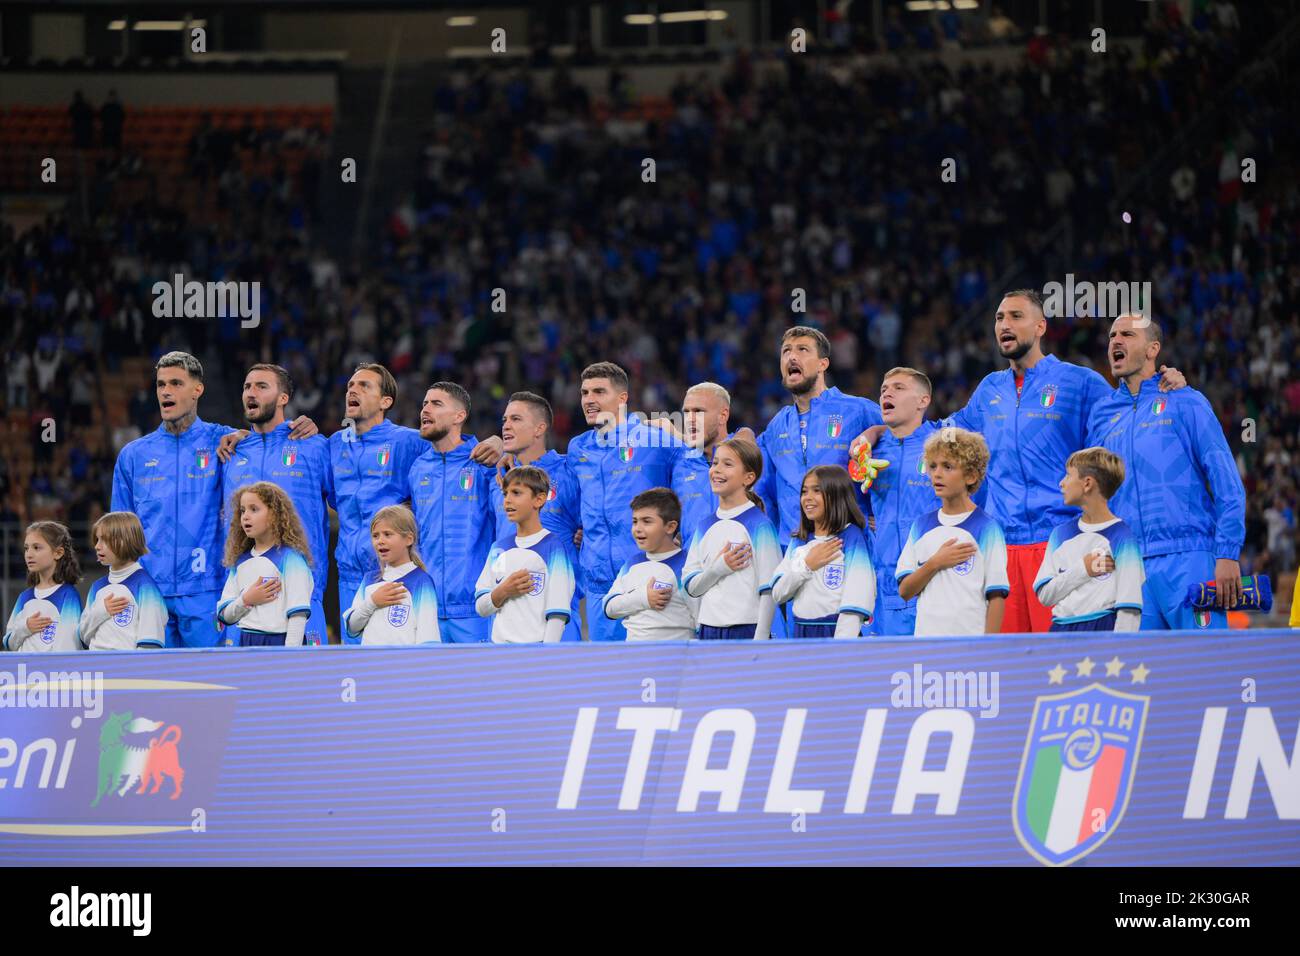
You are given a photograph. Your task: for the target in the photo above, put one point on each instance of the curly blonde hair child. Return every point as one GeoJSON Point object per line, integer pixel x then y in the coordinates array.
{"type": "Point", "coordinates": [284, 522]}
{"type": "Point", "coordinates": [967, 450]}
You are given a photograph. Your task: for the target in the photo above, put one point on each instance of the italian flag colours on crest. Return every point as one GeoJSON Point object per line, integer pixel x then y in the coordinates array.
{"type": "Point", "coordinates": [1063, 802]}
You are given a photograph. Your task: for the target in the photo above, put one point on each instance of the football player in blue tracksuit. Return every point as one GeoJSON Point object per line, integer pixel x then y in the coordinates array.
{"type": "Point", "coordinates": [301, 468]}
{"type": "Point", "coordinates": [613, 462]}
{"type": "Point", "coordinates": [1183, 497]}
{"type": "Point", "coordinates": [171, 480]}
{"type": "Point", "coordinates": [369, 461]}
{"type": "Point", "coordinates": [901, 492]}
{"type": "Point", "coordinates": [706, 409]}
{"type": "Point", "coordinates": [451, 496]}
{"type": "Point", "coordinates": [1033, 415]}
{"type": "Point", "coordinates": [816, 429]}
{"type": "Point", "coordinates": [524, 426]}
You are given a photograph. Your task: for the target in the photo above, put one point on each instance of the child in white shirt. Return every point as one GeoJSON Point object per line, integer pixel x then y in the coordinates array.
{"type": "Point", "coordinates": [734, 553]}
{"type": "Point", "coordinates": [1092, 571]}
{"type": "Point", "coordinates": [955, 558]}
{"type": "Point", "coordinates": [47, 614]}
{"type": "Point", "coordinates": [268, 589]}
{"type": "Point", "coordinates": [402, 588]}
{"type": "Point", "coordinates": [827, 569]}
{"type": "Point", "coordinates": [647, 594]}
{"type": "Point", "coordinates": [125, 610]}
{"type": "Point", "coordinates": [526, 584]}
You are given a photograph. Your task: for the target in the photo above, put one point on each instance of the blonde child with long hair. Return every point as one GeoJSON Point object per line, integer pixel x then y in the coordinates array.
{"type": "Point", "coordinates": [396, 604]}
{"type": "Point", "coordinates": [268, 590]}
{"type": "Point", "coordinates": [734, 554]}
{"type": "Point", "coordinates": [48, 613]}
{"type": "Point", "coordinates": [126, 610]}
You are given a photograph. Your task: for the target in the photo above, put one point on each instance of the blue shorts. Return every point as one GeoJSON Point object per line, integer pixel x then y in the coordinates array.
{"type": "Point", "coordinates": [816, 627]}
{"type": "Point", "coordinates": [314, 636]}
{"type": "Point", "coordinates": [1105, 623]}
{"type": "Point", "coordinates": [260, 639]}
{"type": "Point", "coordinates": [894, 617]}
{"type": "Point", "coordinates": [783, 623]}
{"type": "Point", "coordinates": [465, 630]}
{"type": "Point", "coordinates": [600, 627]}
{"type": "Point", "coordinates": [736, 632]}
{"type": "Point", "coordinates": [1165, 590]}
{"type": "Point", "coordinates": [192, 619]}
{"type": "Point", "coordinates": [348, 588]}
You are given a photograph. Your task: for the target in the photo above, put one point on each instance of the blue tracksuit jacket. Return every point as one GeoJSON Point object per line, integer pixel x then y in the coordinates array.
{"type": "Point", "coordinates": [1181, 491]}
{"type": "Point", "coordinates": [173, 484]}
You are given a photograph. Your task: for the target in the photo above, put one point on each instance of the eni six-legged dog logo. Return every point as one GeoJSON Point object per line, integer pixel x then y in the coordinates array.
{"type": "Point", "coordinates": [136, 750]}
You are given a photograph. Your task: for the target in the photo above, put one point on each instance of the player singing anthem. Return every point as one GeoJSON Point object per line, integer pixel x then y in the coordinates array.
{"type": "Point", "coordinates": [901, 492]}
{"type": "Point", "coordinates": [1183, 497]}
{"type": "Point", "coordinates": [815, 430]}
{"type": "Point", "coordinates": [525, 425]}
{"type": "Point", "coordinates": [614, 461]}
{"type": "Point", "coordinates": [1033, 415]}
{"type": "Point", "coordinates": [300, 467]}
{"type": "Point", "coordinates": [451, 496]}
{"type": "Point", "coordinates": [369, 461]}
{"type": "Point", "coordinates": [171, 479]}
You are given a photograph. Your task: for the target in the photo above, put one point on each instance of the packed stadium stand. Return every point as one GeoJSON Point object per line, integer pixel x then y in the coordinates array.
{"type": "Point", "coordinates": [773, 173]}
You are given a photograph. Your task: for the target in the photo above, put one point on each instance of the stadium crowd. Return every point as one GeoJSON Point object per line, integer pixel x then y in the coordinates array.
{"type": "Point", "coordinates": [820, 178]}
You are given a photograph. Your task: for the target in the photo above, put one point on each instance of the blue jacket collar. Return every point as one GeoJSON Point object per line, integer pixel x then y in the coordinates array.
{"type": "Point", "coordinates": [1044, 365]}
{"type": "Point", "coordinates": [279, 433]}
{"type": "Point", "coordinates": [162, 429]}
{"type": "Point", "coordinates": [1148, 387]}
{"type": "Point", "coordinates": [457, 454]}
{"type": "Point", "coordinates": [926, 426]}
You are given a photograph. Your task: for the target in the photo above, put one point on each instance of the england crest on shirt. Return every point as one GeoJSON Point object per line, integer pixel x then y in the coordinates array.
{"type": "Point", "coordinates": [124, 617]}
{"type": "Point", "coordinates": [833, 576]}
{"type": "Point", "coordinates": [965, 567]}
{"type": "Point", "coordinates": [539, 582]}
{"type": "Point", "coordinates": [398, 615]}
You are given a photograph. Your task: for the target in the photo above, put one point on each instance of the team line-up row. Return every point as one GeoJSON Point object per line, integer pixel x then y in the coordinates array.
{"type": "Point", "coordinates": [975, 522]}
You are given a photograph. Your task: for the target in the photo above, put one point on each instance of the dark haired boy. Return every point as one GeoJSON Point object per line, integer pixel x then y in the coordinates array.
{"type": "Point", "coordinates": [647, 595]}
